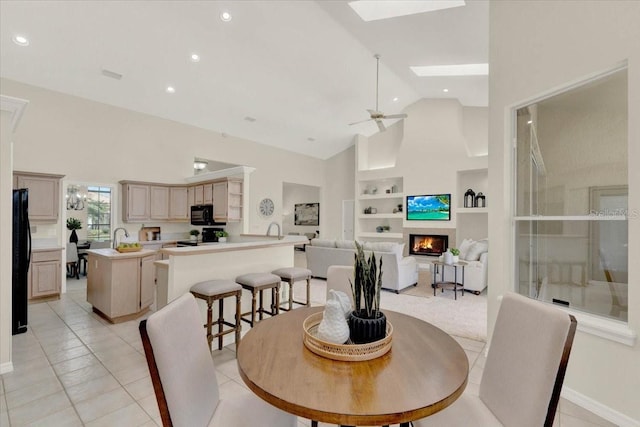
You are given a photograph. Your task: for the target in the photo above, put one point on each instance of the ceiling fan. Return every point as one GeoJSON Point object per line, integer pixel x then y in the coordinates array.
{"type": "Point", "coordinates": [376, 114]}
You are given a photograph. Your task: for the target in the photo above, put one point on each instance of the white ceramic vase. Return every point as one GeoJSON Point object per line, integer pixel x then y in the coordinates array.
{"type": "Point", "coordinates": [447, 257]}
{"type": "Point", "coordinates": [333, 328]}
{"type": "Point", "coordinates": [343, 299]}
{"type": "Point", "coordinates": [222, 239]}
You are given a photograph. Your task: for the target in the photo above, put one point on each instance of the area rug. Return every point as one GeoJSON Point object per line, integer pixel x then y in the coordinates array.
{"type": "Point", "coordinates": [465, 317]}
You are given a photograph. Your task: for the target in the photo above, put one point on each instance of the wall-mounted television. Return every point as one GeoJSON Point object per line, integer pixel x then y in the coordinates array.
{"type": "Point", "coordinates": [429, 207]}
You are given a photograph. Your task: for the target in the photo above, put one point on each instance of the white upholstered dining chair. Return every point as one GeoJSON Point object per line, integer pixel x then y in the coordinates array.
{"type": "Point", "coordinates": [338, 277]}
{"type": "Point", "coordinates": [523, 373]}
{"type": "Point", "coordinates": [184, 376]}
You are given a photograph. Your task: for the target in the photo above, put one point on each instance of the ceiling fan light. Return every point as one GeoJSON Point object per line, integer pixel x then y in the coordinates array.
{"type": "Point", "coordinates": [199, 164]}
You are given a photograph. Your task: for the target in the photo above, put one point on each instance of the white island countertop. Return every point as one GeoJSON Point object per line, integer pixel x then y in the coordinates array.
{"type": "Point", "coordinates": [244, 242]}
{"type": "Point", "coordinates": [112, 253]}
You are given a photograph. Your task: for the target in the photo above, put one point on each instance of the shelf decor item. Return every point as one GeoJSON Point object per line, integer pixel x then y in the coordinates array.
{"type": "Point", "coordinates": [469, 198]}
{"type": "Point", "coordinates": [480, 201]}
{"type": "Point", "coordinates": [368, 323]}
{"type": "Point", "coordinates": [73, 224]}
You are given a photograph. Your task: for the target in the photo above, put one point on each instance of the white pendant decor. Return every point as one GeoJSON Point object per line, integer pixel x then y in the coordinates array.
{"type": "Point", "coordinates": [334, 327]}
{"type": "Point", "coordinates": [343, 299]}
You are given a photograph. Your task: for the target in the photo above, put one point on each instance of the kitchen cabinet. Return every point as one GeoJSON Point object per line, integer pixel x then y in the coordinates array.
{"type": "Point", "coordinates": [44, 278]}
{"type": "Point", "coordinates": [227, 200]}
{"type": "Point", "coordinates": [198, 195]}
{"type": "Point", "coordinates": [159, 202]}
{"type": "Point", "coordinates": [136, 202]}
{"type": "Point", "coordinates": [179, 203]}
{"type": "Point", "coordinates": [159, 199]}
{"type": "Point", "coordinates": [207, 197]}
{"type": "Point", "coordinates": [44, 194]}
{"type": "Point", "coordinates": [120, 286]}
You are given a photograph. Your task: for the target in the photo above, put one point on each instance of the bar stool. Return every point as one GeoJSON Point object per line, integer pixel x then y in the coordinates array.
{"type": "Point", "coordinates": [210, 291]}
{"type": "Point", "coordinates": [292, 275]}
{"type": "Point", "coordinates": [257, 283]}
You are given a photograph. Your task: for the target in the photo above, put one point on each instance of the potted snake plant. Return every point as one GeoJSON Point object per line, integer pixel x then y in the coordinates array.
{"type": "Point", "coordinates": [366, 322]}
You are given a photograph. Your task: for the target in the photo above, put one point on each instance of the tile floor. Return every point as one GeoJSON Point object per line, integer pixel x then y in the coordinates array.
{"type": "Point", "coordinates": [72, 368]}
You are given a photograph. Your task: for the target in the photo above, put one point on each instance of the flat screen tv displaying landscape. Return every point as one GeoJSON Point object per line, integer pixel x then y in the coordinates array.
{"type": "Point", "coordinates": [430, 207]}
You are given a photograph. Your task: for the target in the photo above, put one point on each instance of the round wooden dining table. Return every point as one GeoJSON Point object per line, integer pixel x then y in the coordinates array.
{"type": "Point", "coordinates": [424, 372]}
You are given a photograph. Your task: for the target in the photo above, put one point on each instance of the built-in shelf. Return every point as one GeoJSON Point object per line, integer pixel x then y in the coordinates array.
{"type": "Point", "coordinates": [383, 235]}
{"type": "Point", "coordinates": [398, 215]}
{"type": "Point", "coordinates": [381, 196]}
{"type": "Point", "coordinates": [471, 210]}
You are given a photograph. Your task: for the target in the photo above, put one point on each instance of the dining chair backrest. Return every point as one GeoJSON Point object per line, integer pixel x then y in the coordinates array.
{"type": "Point", "coordinates": [527, 361]}
{"type": "Point", "coordinates": [181, 367]}
{"type": "Point", "coordinates": [338, 277]}
{"type": "Point", "coordinates": [72, 252]}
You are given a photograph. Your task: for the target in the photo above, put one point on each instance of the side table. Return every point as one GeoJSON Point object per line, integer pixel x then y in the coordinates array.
{"type": "Point", "coordinates": [439, 265]}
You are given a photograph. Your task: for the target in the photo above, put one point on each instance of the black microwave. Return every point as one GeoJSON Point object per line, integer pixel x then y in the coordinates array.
{"type": "Point", "coordinates": [203, 215]}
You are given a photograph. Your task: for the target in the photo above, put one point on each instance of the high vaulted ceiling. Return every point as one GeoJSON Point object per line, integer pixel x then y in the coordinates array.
{"type": "Point", "coordinates": [303, 70]}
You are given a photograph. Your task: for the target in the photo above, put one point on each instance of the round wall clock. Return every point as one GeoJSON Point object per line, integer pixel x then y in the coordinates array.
{"type": "Point", "coordinates": [266, 207]}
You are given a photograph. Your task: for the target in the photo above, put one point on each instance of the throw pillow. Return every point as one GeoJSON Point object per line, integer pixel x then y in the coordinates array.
{"type": "Point", "coordinates": [464, 248]}
{"type": "Point", "coordinates": [477, 249]}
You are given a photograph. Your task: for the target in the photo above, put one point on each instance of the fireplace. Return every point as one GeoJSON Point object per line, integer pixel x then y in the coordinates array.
{"type": "Point", "coordinates": [428, 244]}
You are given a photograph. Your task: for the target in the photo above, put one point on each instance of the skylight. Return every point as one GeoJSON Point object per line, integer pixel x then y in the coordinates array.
{"type": "Point", "coordinates": [451, 70]}
{"type": "Point", "coordinates": [373, 10]}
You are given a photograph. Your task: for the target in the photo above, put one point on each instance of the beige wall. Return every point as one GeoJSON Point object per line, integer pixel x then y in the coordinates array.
{"type": "Point", "coordinates": [10, 115]}
{"type": "Point", "coordinates": [537, 47]}
{"type": "Point", "coordinates": [339, 186]}
{"type": "Point", "coordinates": [90, 142]}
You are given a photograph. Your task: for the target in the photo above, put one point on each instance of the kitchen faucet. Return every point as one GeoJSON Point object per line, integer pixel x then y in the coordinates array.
{"type": "Point", "coordinates": [277, 225]}
{"type": "Point", "coordinates": [126, 234]}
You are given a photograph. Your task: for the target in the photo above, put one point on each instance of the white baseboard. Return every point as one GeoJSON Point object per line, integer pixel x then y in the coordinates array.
{"type": "Point", "coordinates": [6, 367]}
{"type": "Point", "coordinates": [598, 408]}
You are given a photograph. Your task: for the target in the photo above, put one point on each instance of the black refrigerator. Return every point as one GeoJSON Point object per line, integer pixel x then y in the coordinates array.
{"type": "Point", "coordinates": [21, 259]}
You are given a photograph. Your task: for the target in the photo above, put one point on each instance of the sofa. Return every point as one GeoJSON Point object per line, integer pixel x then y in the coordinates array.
{"type": "Point", "coordinates": [398, 272]}
{"type": "Point", "coordinates": [476, 255]}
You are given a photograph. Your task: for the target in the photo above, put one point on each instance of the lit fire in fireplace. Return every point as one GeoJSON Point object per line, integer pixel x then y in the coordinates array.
{"type": "Point", "coordinates": [425, 244]}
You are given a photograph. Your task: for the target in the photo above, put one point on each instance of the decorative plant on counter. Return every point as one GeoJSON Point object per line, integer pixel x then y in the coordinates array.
{"type": "Point", "coordinates": [73, 224]}
{"type": "Point", "coordinates": [222, 236]}
{"type": "Point", "coordinates": [368, 323]}
{"type": "Point", "coordinates": [194, 234]}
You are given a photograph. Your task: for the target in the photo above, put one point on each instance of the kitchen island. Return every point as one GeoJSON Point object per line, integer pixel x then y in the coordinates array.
{"type": "Point", "coordinates": [120, 286]}
{"type": "Point", "coordinates": [245, 254]}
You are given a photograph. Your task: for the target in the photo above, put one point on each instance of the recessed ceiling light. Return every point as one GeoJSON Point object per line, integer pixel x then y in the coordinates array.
{"type": "Point", "coordinates": [395, 99]}
{"type": "Point", "coordinates": [171, 89]}
{"type": "Point", "coordinates": [20, 40]}
{"type": "Point", "coordinates": [111, 74]}
{"type": "Point", "coordinates": [250, 119]}
{"type": "Point", "coordinates": [372, 10]}
{"type": "Point", "coordinates": [195, 57]}
{"type": "Point", "coordinates": [451, 70]}
{"type": "Point", "coordinates": [310, 139]}
{"type": "Point", "coordinates": [225, 16]}
{"type": "Point", "coordinates": [529, 122]}
{"type": "Point", "coordinates": [445, 90]}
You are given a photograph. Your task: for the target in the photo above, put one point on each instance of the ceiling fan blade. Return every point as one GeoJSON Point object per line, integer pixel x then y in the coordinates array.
{"type": "Point", "coordinates": [396, 116]}
{"type": "Point", "coordinates": [381, 125]}
{"type": "Point", "coordinates": [361, 121]}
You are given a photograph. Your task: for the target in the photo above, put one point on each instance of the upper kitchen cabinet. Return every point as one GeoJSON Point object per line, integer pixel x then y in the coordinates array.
{"type": "Point", "coordinates": [136, 202]}
{"type": "Point", "coordinates": [179, 203]}
{"type": "Point", "coordinates": [159, 202]}
{"type": "Point", "coordinates": [44, 194]}
{"type": "Point", "coordinates": [159, 198]}
{"type": "Point", "coordinates": [227, 200]}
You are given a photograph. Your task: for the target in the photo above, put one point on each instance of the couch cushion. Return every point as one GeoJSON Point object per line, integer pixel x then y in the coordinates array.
{"type": "Point", "coordinates": [345, 244]}
{"type": "Point", "coordinates": [477, 249]}
{"type": "Point", "coordinates": [380, 246]}
{"type": "Point", "coordinates": [323, 243]}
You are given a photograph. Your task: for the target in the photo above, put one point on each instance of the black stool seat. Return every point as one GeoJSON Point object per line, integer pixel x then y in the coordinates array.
{"type": "Point", "coordinates": [210, 291]}
{"type": "Point", "coordinates": [291, 275]}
